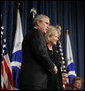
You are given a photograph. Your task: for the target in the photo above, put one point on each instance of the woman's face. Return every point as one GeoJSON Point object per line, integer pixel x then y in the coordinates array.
{"type": "Point", "coordinates": [53, 39]}
{"type": "Point", "coordinates": [77, 84]}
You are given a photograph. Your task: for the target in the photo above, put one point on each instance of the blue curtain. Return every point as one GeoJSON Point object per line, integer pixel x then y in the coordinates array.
{"type": "Point", "coordinates": [68, 14]}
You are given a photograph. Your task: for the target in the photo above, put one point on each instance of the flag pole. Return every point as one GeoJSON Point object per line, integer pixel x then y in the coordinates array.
{"type": "Point", "coordinates": [67, 32]}
{"type": "Point", "coordinates": [18, 4]}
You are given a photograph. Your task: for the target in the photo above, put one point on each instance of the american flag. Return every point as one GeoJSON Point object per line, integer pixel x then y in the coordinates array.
{"type": "Point", "coordinates": [6, 74]}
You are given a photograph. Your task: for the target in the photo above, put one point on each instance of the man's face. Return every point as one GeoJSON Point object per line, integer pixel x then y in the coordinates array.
{"type": "Point", "coordinates": [77, 84]}
{"type": "Point", "coordinates": [65, 78]}
{"type": "Point", "coordinates": [44, 25]}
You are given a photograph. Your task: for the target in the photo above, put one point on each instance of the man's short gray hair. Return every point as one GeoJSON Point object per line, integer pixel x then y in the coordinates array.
{"type": "Point", "coordinates": [39, 18]}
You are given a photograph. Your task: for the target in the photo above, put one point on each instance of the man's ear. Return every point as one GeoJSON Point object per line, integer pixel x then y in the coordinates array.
{"type": "Point", "coordinates": [38, 23]}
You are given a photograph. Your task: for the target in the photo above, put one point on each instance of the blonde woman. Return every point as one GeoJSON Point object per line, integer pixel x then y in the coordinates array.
{"type": "Point", "coordinates": [51, 37]}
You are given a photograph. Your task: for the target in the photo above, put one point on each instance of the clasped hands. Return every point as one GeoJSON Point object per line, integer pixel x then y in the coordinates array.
{"type": "Point", "coordinates": [55, 69]}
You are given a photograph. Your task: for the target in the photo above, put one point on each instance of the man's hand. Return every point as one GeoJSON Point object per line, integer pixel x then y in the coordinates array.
{"type": "Point", "coordinates": [55, 70]}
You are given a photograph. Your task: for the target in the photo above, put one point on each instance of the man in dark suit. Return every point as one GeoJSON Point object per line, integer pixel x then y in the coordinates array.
{"type": "Point", "coordinates": [65, 81]}
{"type": "Point", "coordinates": [36, 63]}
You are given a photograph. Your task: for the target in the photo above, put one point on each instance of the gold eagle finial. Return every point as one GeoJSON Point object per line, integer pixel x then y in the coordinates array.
{"type": "Point", "coordinates": [58, 27]}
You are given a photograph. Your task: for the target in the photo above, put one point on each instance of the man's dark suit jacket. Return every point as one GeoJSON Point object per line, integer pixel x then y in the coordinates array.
{"type": "Point", "coordinates": [36, 62]}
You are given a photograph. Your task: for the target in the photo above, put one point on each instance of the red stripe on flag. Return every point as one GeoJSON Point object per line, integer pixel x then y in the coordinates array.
{"type": "Point", "coordinates": [5, 87]}
{"type": "Point", "coordinates": [9, 74]}
{"type": "Point", "coordinates": [2, 68]}
{"type": "Point", "coordinates": [1, 88]}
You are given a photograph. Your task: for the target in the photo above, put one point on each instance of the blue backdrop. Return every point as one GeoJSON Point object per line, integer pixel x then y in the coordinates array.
{"type": "Point", "coordinates": [68, 14]}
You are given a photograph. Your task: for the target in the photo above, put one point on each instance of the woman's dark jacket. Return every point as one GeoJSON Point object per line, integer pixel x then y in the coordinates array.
{"type": "Point", "coordinates": [55, 81]}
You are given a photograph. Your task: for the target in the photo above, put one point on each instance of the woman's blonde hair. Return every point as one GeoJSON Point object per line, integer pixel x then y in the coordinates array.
{"type": "Point", "coordinates": [52, 30]}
